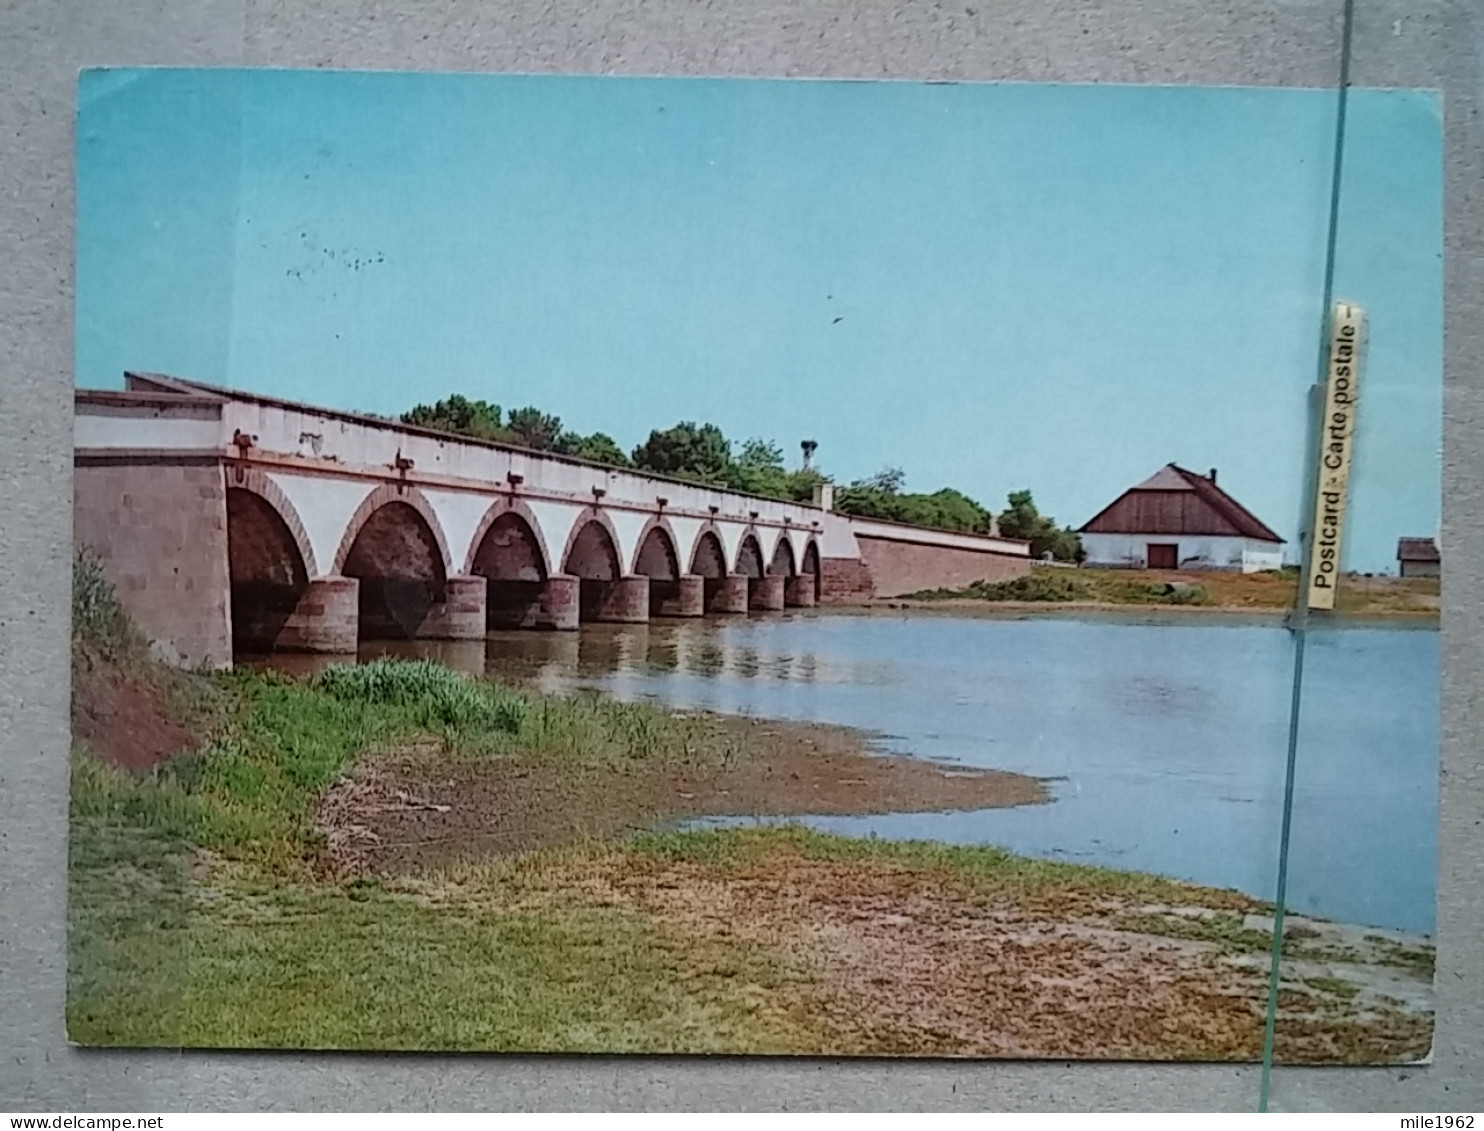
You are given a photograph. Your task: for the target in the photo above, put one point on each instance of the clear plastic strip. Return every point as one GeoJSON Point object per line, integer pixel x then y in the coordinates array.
{"type": "Point", "coordinates": [1299, 621]}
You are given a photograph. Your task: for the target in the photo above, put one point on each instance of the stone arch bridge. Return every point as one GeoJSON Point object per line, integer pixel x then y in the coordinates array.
{"type": "Point", "coordinates": [229, 521]}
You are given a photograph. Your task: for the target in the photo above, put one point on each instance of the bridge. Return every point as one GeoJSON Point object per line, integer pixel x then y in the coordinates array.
{"type": "Point", "coordinates": [231, 522]}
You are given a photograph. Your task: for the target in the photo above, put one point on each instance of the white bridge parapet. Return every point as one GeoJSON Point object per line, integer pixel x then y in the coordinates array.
{"type": "Point", "coordinates": [224, 517]}
{"type": "Point", "coordinates": [328, 462]}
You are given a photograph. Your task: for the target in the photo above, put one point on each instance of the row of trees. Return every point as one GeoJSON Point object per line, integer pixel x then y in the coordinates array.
{"type": "Point", "coordinates": [702, 453]}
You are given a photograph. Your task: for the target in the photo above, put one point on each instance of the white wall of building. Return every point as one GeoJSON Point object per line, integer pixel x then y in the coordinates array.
{"type": "Point", "coordinates": [1201, 551]}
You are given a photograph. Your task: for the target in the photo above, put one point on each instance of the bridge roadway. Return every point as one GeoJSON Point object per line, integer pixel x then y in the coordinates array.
{"type": "Point", "coordinates": [230, 521]}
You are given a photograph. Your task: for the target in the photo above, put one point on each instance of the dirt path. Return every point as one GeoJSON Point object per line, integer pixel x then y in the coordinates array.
{"type": "Point", "coordinates": [419, 808]}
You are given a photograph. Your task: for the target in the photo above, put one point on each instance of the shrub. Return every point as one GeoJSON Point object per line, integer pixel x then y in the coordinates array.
{"type": "Point", "coordinates": [1153, 593]}
{"type": "Point", "coordinates": [1039, 585]}
{"type": "Point", "coordinates": [434, 695]}
{"type": "Point", "coordinates": [98, 619]}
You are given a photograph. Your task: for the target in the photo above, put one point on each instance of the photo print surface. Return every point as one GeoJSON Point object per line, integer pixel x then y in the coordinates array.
{"type": "Point", "coordinates": [577, 564]}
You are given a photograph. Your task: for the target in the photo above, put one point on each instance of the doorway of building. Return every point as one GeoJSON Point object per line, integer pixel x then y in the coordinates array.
{"type": "Point", "coordinates": [1163, 555]}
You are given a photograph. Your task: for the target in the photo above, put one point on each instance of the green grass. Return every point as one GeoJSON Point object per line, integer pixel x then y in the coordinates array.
{"type": "Point", "coordinates": [365, 968]}
{"type": "Point", "coordinates": [277, 743]}
{"type": "Point", "coordinates": [1063, 585]}
{"type": "Point", "coordinates": [1336, 987]}
{"type": "Point", "coordinates": [249, 959]}
{"type": "Point", "coordinates": [159, 955]}
{"type": "Point", "coordinates": [1226, 931]}
{"type": "Point", "coordinates": [991, 870]}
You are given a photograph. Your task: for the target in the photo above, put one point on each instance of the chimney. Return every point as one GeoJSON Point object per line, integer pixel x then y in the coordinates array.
{"type": "Point", "coordinates": [1212, 477]}
{"type": "Point", "coordinates": [808, 446]}
{"type": "Point", "coordinates": [824, 496]}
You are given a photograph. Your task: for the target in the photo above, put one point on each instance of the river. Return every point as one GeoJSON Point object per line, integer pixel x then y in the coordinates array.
{"type": "Point", "coordinates": [1164, 742]}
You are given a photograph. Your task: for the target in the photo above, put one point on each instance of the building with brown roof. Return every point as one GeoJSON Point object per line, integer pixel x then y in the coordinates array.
{"type": "Point", "coordinates": [1419, 557]}
{"type": "Point", "coordinates": [1177, 519]}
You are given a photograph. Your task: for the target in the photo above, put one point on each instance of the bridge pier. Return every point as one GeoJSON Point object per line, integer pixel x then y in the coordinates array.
{"type": "Point", "coordinates": [683, 597]}
{"type": "Point", "coordinates": [730, 595]}
{"type": "Point", "coordinates": [460, 615]}
{"type": "Point", "coordinates": [765, 594]}
{"type": "Point", "coordinates": [798, 591]}
{"type": "Point", "coordinates": [560, 603]}
{"type": "Point", "coordinates": [624, 601]}
{"type": "Point", "coordinates": [326, 618]}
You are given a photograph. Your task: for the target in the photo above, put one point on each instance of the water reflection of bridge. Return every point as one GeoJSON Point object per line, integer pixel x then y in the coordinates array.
{"type": "Point", "coordinates": [701, 648]}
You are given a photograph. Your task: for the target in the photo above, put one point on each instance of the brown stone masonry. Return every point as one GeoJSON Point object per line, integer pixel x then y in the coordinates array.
{"type": "Point", "coordinates": [460, 615]}
{"type": "Point", "coordinates": [730, 595]}
{"type": "Point", "coordinates": [895, 568]}
{"type": "Point", "coordinates": [560, 603]}
{"type": "Point", "coordinates": [765, 594]}
{"type": "Point", "coordinates": [159, 527]}
{"type": "Point", "coordinates": [683, 597]}
{"type": "Point", "coordinates": [799, 591]}
{"type": "Point", "coordinates": [625, 601]}
{"type": "Point", "coordinates": [844, 581]}
{"type": "Point", "coordinates": [326, 618]}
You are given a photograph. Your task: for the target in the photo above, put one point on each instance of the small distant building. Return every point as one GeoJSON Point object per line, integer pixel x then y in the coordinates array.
{"type": "Point", "coordinates": [1419, 557]}
{"type": "Point", "coordinates": [1177, 519]}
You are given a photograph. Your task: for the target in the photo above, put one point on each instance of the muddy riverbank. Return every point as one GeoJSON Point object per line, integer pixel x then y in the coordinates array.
{"type": "Point", "coordinates": [418, 807]}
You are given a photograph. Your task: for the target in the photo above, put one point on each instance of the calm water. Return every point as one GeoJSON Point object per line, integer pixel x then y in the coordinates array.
{"type": "Point", "coordinates": [1165, 742]}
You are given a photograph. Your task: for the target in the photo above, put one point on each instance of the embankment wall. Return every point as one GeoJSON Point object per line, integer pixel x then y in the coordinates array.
{"type": "Point", "coordinates": [158, 524]}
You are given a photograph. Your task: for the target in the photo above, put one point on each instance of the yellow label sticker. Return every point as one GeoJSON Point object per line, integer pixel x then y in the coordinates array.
{"type": "Point", "coordinates": [1336, 444]}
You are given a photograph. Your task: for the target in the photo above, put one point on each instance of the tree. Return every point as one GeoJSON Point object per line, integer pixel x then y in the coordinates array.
{"type": "Point", "coordinates": [479, 419]}
{"type": "Point", "coordinates": [597, 448]}
{"type": "Point", "coordinates": [688, 450]}
{"type": "Point", "coordinates": [889, 481]}
{"type": "Point", "coordinates": [880, 497]}
{"type": "Point", "coordinates": [532, 428]}
{"type": "Point", "coordinates": [1022, 520]}
{"type": "Point", "coordinates": [758, 470]}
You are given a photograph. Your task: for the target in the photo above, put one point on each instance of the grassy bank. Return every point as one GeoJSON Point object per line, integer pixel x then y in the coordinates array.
{"type": "Point", "coordinates": [1052, 587]}
{"type": "Point", "coordinates": [212, 904]}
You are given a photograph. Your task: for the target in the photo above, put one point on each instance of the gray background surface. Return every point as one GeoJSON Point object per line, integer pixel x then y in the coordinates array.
{"type": "Point", "coordinates": [1430, 43]}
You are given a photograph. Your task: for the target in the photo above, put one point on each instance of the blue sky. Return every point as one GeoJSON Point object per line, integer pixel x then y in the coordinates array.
{"type": "Point", "coordinates": [992, 286]}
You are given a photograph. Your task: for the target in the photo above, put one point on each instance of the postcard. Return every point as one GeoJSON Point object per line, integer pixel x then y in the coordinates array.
{"type": "Point", "coordinates": [586, 564]}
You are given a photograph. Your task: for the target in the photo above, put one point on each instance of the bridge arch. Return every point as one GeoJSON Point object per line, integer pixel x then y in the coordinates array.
{"type": "Point", "coordinates": [750, 556]}
{"type": "Point", "coordinates": [810, 561]}
{"type": "Point", "coordinates": [509, 551]}
{"type": "Point", "coordinates": [394, 545]}
{"type": "Point", "coordinates": [657, 557]}
{"type": "Point", "coordinates": [708, 553]}
{"type": "Point", "coordinates": [782, 563]}
{"type": "Point", "coordinates": [385, 494]}
{"type": "Point", "coordinates": [809, 568]}
{"type": "Point", "coordinates": [657, 552]}
{"type": "Point", "coordinates": [591, 555]}
{"type": "Point", "coordinates": [269, 559]}
{"type": "Point", "coordinates": [500, 511]}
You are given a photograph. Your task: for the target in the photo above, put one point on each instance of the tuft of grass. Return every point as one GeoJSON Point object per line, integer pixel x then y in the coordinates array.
{"type": "Point", "coordinates": [98, 618]}
{"type": "Point", "coordinates": [593, 729]}
{"type": "Point", "coordinates": [434, 696]}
